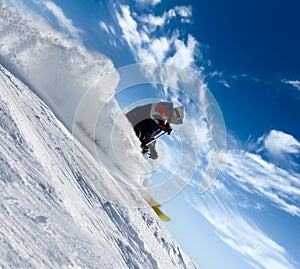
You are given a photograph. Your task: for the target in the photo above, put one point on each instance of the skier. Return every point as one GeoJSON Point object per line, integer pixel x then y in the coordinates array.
{"type": "Point", "coordinates": [150, 120]}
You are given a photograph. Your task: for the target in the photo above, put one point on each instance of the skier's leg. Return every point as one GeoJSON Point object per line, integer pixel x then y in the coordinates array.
{"type": "Point", "coordinates": [153, 152]}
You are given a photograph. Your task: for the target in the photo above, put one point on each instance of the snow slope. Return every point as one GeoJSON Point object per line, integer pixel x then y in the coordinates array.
{"type": "Point", "coordinates": [56, 206]}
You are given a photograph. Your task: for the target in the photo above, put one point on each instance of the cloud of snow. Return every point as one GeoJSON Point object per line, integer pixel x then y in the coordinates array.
{"type": "Point", "coordinates": [58, 68]}
{"type": "Point", "coordinates": [77, 84]}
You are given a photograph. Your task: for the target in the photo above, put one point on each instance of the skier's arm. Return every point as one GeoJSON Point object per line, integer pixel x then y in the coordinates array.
{"type": "Point", "coordinates": [164, 126]}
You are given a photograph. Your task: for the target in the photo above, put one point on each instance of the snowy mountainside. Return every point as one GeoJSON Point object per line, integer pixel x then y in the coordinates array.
{"type": "Point", "coordinates": [56, 206]}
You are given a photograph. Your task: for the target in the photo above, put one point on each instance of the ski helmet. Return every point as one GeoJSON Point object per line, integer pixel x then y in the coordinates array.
{"type": "Point", "coordinates": [161, 110]}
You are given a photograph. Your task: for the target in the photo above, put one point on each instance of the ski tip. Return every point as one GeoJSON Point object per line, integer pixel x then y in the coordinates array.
{"type": "Point", "coordinates": [156, 208]}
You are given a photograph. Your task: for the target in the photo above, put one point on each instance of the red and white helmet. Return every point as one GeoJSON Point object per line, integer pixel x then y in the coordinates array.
{"type": "Point", "coordinates": [161, 111]}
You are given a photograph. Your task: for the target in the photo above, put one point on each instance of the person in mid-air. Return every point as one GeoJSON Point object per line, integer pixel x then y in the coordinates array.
{"type": "Point", "coordinates": [150, 120]}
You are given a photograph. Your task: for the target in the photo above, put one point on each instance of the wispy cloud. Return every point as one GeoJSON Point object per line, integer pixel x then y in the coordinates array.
{"type": "Point", "coordinates": [110, 31]}
{"type": "Point", "coordinates": [294, 83]}
{"type": "Point", "coordinates": [248, 181]}
{"type": "Point", "coordinates": [104, 27]}
{"type": "Point", "coordinates": [245, 77]}
{"type": "Point", "coordinates": [240, 233]}
{"type": "Point", "coordinates": [230, 80]}
{"type": "Point", "coordinates": [264, 179]}
{"type": "Point", "coordinates": [64, 22]}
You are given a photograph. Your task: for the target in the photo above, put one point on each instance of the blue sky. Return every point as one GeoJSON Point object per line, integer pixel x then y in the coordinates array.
{"type": "Point", "coordinates": [255, 46]}
{"type": "Point", "coordinates": [248, 55]}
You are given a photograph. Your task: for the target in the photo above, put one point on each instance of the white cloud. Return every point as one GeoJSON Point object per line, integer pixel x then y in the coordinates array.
{"type": "Point", "coordinates": [148, 2]}
{"type": "Point", "coordinates": [153, 22]}
{"type": "Point", "coordinates": [134, 38]}
{"type": "Point", "coordinates": [62, 20]}
{"type": "Point", "coordinates": [184, 55]}
{"type": "Point", "coordinates": [159, 47]}
{"type": "Point", "coordinates": [294, 83]}
{"type": "Point", "coordinates": [278, 143]}
{"type": "Point", "coordinates": [147, 47]}
{"type": "Point", "coordinates": [185, 12]}
{"type": "Point", "coordinates": [283, 149]}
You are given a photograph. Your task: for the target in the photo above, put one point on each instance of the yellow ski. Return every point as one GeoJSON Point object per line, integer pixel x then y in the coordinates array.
{"type": "Point", "coordinates": [155, 206]}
